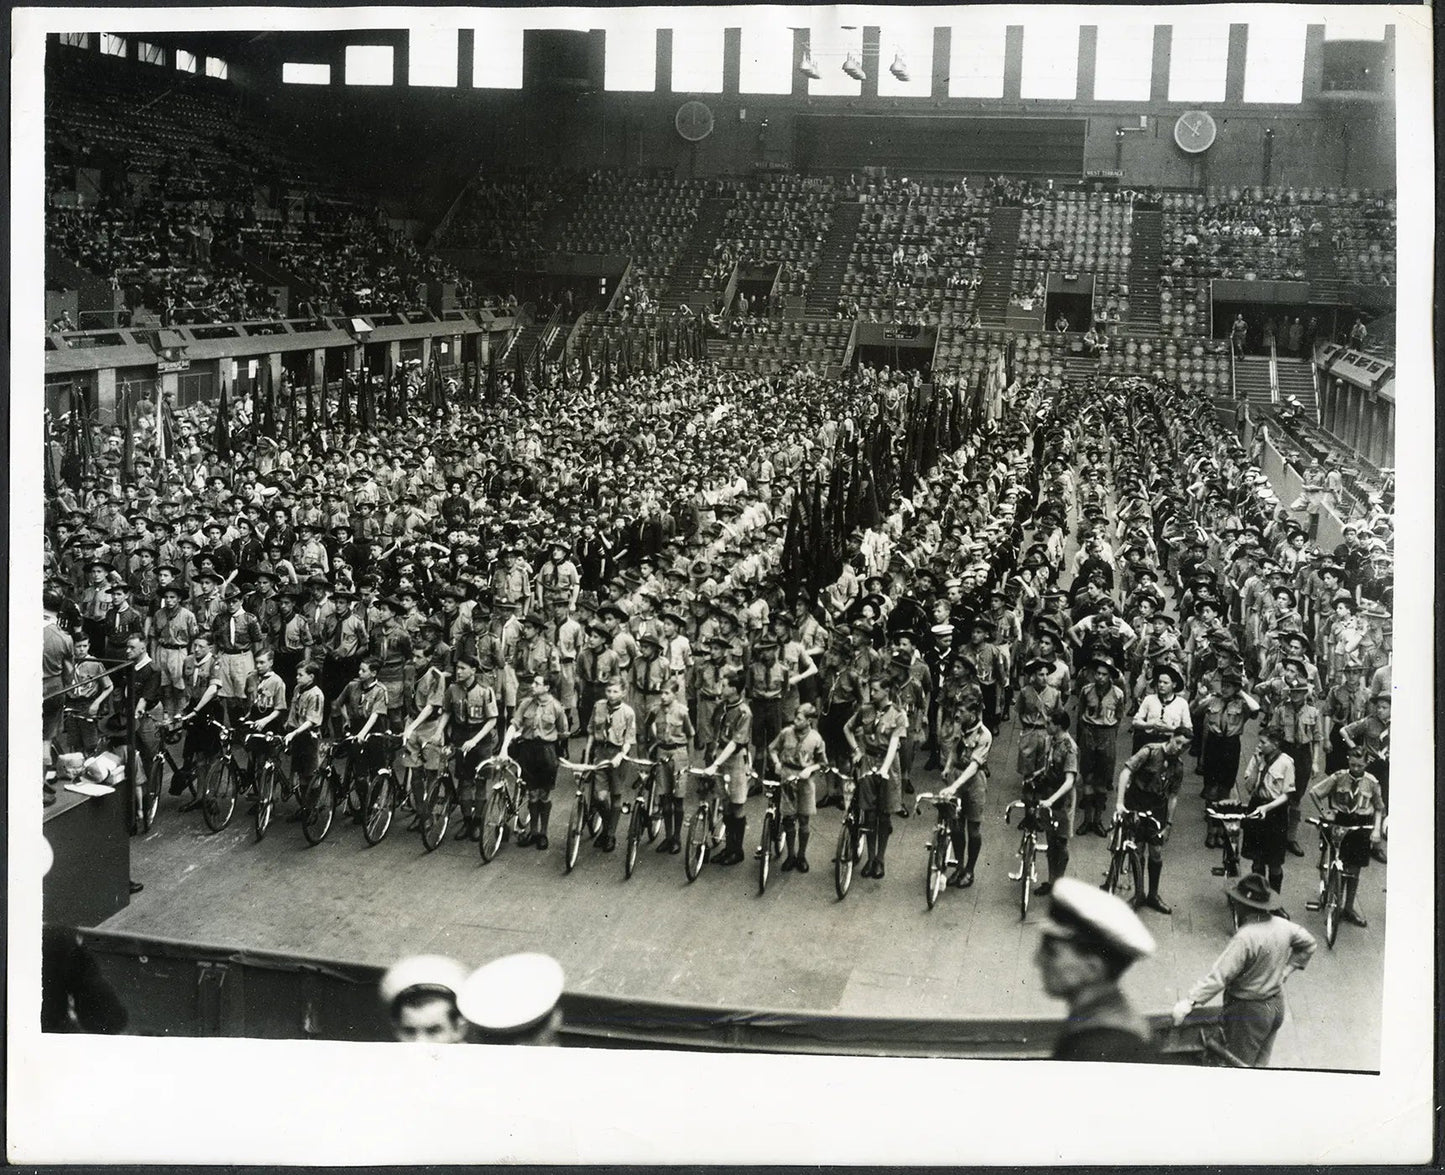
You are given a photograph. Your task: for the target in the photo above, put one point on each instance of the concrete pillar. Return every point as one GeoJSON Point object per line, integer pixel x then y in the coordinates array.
{"type": "Point", "coordinates": [105, 394]}
{"type": "Point", "coordinates": [732, 61]}
{"type": "Point", "coordinates": [1159, 78]}
{"type": "Point", "coordinates": [1234, 64]}
{"type": "Point", "coordinates": [802, 43]}
{"type": "Point", "coordinates": [1088, 59]}
{"type": "Point", "coordinates": [664, 61]}
{"type": "Point", "coordinates": [942, 56]}
{"type": "Point", "coordinates": [393, 359]}
{"type": "Point", "coordinates": [1314, 75]}
{"type": "Point", "coordinates": [871, 53]}
{"type": "Point", "coordinates": [466, 51]}
{"type": "Point", "coordinates": [318, 367]}
{"type": "Point", "coordinates": [1013, 63]}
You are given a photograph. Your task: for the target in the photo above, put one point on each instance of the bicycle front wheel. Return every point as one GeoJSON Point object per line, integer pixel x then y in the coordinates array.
{"type": "Point", "coordinates": [636, 830]}
{"type": "Point", "coordinates": [218, 794]}
{"type": "Point", "coordinates": [935, 875]}
{"type": "Point", "coordinates": [1115, 873]}
{"type": "Point", "coordinates": [1026, 880]}
{"type": "Point", "coordinates": [265, 799]}
{"type": "Point", "coordinates": [1333, 898]}
{"type": "Point", "coordinates": [378, 809]}
{"type": "Point", "coordinates": [436, 814]}
{"type": "Point", "coordinates": [844, 858]}
{"type": "Point", "coordinates": [1136, 871]}
{"type": "Point", "coordinates": [574, 834]}
{"type": "Point", "coordinates": [765, 850]}
{"type": "Point", "coordinates": [696, 850]}
{"type": "Point", "coordinates": [320, 810]}
{"type": "Point", "coordinates": [494, 817]}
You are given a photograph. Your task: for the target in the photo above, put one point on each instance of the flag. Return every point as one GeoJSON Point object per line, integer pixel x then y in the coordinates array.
{"type": "Point", "coordinates": [72, 465]}
{"type": "Point", "coordinates": [586, 364]}
{"type": "Point", "coordinates": [223, 425]}
{"type": "Point", "coordinates": [343, 402]}
{"type": "Point", "coordinates": [605, 369]}
{"type": "Point", "coordinates": [322, 401]}
{"type": "Point", "coordinates": [290, 389]}
{"type": "Point", "coordinates": [491, 375]}
{"type": "Point", "coordinates": [537, 365]}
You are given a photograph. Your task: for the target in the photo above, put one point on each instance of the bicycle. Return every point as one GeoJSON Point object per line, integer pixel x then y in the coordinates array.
{"type": "Point", "coordinates": [947, 810]}
{"type": "Point", "coordinates": [1332, 874]}
{"type": "Point", "coordinates": [851, 837]}
{"type": "Point", "coordinates": [1229, 815]}
{"type": "Point", "coordinates": [265, 779]}
{"type": "Point", "coordinates": [644, 817]}
{"type": "Point", "coordinates": [584, 813]}
{"type": "Point", "coordinates": [318, 797]}
{"type": "Point", "coordinates": [704, 830]}
{"type": "Point", "coordinates": [1031, 827]}
{"type": "Point", "coordinates": [146, 795]}
{"type": "Point", "coordinates": [773, 842]}
{"type": "Point", "coordinates": [1128, 835]}
{"type": "Point", "coordinates": [436, 800]}
{"type": "Point", "coordinates": [502, 810]}
{"type": "Point", "coordinates": [220, 779]}
{"type": "Point", "coordinates": [383, 796]}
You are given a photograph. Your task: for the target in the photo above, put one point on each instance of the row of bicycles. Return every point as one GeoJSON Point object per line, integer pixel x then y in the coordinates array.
{"type": "Point", "coordinates": [248, 767]}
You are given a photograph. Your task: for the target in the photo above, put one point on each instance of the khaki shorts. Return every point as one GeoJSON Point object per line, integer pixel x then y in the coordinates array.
{"type": "Point", "coordinates": [800, 798]}
{"type": "Point", "coordinates": [232, 672]}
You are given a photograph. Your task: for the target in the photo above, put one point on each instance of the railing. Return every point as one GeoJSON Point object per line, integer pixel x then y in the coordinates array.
{"type": "Point", "coordinates": [171, 987]}
{"type": "Point", "coordinates": [1273, 373]}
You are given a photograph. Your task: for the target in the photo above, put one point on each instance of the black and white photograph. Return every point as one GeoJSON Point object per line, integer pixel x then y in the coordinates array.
{"type": "Point", "coordinates": [756, 565]}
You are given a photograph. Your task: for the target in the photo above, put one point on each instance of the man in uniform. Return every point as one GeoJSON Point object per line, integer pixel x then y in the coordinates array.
{"type": "Point", "coordinates": [1090, 939]}
{"type": "Point", "coordinates": [1251, 972]}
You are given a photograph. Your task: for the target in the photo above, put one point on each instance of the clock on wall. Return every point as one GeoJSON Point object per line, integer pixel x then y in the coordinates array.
{"type": "Point", "coordinates": [1195, 131]}
{"type": "Point", "coordinates": [694, 121]}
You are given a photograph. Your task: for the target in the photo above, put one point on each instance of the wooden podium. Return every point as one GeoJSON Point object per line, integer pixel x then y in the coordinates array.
{"type": "Point", "coordinates": [90, 879]}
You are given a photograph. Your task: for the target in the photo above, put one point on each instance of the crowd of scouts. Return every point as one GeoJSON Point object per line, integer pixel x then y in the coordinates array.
{"type": "Point", "coordinates": [598, 576]}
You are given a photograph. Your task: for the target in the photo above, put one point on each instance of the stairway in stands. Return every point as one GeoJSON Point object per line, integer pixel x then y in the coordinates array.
{"type": "Point", "coordinates": [1251, 382]}
{"type": "Point", "coordinates": [1146, 243]}
{"type": "Point", "coordinates": [833, 258]}
{"type": "Point", "coordinates": [686, 277]}
{"type": "Point", "coordinates": [997, 269]}
{"type": "Point", "coordinates": [1321, 267]}
{"type": "Point", "coordinates": [1296, 378]}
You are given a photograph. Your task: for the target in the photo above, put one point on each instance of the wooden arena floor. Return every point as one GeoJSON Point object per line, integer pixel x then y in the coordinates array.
{"type": "Point", "coordinates": [716, 941]}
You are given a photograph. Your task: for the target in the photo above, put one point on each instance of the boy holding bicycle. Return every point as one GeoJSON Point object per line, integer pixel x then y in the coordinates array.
{"type": "Point", "coordinates": [672, 731]}
{"type": "Point", "coordinates": [308, 710]}
{"type": "Point", "coordinates": [797, 755]}
{"type": "Point", "coordinates": [471, 731]}
{"type": "Point", "coordinates": [422, 744]}
{"type": "Point", "coordinates": [86, 699]}
{"type": "Point", "coordinates": [1354, 797]}
{"type": "Point", "coordinates": [612, 734]}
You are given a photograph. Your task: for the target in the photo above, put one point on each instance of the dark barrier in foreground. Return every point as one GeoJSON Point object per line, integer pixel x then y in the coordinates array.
{"type": "Point", "coordinates": [174, 988]}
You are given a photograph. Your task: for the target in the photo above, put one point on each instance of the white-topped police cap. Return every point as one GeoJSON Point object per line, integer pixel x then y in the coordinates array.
{"type": "Point", "coordinates": [1085, 913]}
{"type": "Point", "coordinates": [513, 993]}
{"type": "Point", "coordinates": [439, 973]}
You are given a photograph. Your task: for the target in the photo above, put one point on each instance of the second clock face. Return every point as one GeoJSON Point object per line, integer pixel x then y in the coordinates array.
{"type": "Point", "coordinates": [1195, 131]}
